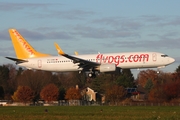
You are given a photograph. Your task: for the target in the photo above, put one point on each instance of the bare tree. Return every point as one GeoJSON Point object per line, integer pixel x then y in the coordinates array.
{"type": "Point", "coordinates": [12, 81]}
{"type": "Point", "coordinates": [69, 79]}
{"type": "Point", "coordinates": [4, 76]}
{"type": "Point", "coordinates": [36, 80]}
{"type": "Point", "coordinates": [115, 94]}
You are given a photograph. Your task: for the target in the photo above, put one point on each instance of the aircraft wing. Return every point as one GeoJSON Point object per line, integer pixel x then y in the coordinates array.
{"type": "Point", "coordinates": [85, 64]}
{"type": "Point", "coordinates": [17, 60]}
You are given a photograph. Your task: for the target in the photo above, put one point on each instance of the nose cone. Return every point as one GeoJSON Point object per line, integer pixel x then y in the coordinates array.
{"type": "Point", "coordinates": [171, 60]}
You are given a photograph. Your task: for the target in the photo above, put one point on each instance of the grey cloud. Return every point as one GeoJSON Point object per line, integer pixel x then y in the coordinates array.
{"type": "Point", "coordinates": [108, 21]}
{"type": "Point", "coordinates": [73, 14]}
{"type": "Point", "coordinates": [88, 51]}
{"type": "Point", "coordinates": [58, 35]}
{"type": "Point", "coordinates": [45, 29]}
{"type": "Point", "coordinates": [152, 18]}
{"type": "Point", "coordinates": [47, 12]}
{"type": "Point", "coordinates": [170, 34]}
{"type": "Point", "coordinates": [121, 44]}
{"type": "Point", "coordinates": [70, 14]}
{"type": "Point", "coordinates": [168, 21]}
{"type": "Point", "coordinates": [34, 35]}
{"type": "Point", "coordinates": [169, 43]}
{"type": "Point", "coordinates": [177, 60]}
{"type": "Point", "coordinates": [7, 6]}
{"type": "Point", "coordinates": [91, 32]}
{"type": "Point", "coordinates": [176, 21]}
{"type": "Point", "coordinates": [31, 34]}
{"type": "Point", "coordinates": [127, 23]}
{"type": "Point", "coordinates": [130, 25]}
{"type": "Point", "coordinates": [153, 35]}
{"type": "Point", "coordinates": [119, 22]}
{"type": "Point", "coordinates": [152, 44]}
{"type": "Point", "coordinates": [171, 23]}
{"type": "Point", "coordinates": [8, 51]}
{"type": "Point", "coordinates": [4, 35]}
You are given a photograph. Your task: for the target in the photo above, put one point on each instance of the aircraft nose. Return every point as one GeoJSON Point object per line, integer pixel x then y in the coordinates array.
{"type": "Point", "coordinates": [171, 60]}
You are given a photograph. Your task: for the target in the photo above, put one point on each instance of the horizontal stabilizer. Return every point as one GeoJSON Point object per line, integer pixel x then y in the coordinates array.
{"type": "Point", "coordinates": [17, 60]}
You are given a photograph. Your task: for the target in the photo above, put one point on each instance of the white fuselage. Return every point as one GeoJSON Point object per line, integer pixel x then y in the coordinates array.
{"type": "Point", "coordinates": [122, 60]}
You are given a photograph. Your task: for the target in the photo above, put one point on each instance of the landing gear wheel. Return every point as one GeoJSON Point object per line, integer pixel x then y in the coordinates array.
{"type": "Point", "coordinates": [158, 71]}
{"type": "Point", "coordinates": [91, 75]}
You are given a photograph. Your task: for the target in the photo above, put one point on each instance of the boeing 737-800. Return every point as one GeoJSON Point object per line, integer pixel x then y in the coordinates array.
{"type": "Point", "coordinates": [28, 57]}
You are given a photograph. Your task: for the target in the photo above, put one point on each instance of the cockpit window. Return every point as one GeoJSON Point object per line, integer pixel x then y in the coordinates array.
{"type": "Point", "coordinates": [164, 55]}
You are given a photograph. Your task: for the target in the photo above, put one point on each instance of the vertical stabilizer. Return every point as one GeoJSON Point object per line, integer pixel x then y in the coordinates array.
{"type": "Point", "coordinates": [22, 48]}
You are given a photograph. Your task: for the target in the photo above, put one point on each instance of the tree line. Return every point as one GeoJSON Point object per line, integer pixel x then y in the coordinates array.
{"type": "Point", "coordinates": [23, 85]}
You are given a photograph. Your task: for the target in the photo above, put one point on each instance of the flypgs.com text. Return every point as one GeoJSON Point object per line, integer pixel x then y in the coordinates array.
{"type": "Point", "coordinates": [117, 59]}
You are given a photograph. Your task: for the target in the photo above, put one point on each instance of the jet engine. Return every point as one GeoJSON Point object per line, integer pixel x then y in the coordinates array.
{"type": "Point", "coordinates": [106, 67]}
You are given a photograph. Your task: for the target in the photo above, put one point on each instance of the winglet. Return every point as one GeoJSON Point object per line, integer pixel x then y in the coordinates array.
{"type": "Point", "coordinates": [76, 53]}
{"type": "Point", "coordinates": [60, 51]}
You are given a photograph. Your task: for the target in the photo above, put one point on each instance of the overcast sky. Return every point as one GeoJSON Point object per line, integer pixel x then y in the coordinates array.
{"type": "Point", "coordinates": [93, 26]}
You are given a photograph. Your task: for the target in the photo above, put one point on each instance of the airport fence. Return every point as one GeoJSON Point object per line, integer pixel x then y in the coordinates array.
{"type": "Point", "coordinates": [91, 103]}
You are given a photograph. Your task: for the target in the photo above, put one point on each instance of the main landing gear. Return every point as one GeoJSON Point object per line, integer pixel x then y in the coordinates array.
{"type": "Point", "coordinates": [158, 71]}
{"type": "Point", "coordinates": [92, 75]}
{"type": "Point", "coordinates": [89, 74]}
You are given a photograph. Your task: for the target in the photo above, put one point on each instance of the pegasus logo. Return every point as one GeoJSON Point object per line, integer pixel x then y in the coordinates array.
{"type": "Point", "coordinates": [23, 43]}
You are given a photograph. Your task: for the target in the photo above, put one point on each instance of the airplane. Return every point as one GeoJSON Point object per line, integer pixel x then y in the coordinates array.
{"type": "Point", "coordinates": [93, 64]}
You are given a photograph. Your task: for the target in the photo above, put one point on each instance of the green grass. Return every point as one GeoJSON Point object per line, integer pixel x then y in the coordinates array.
{"type": "Point", "coordinates": [90, 113]}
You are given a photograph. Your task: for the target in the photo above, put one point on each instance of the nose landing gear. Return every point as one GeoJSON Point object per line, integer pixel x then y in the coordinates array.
{"type": "Point", "coordinates": [158, 68]}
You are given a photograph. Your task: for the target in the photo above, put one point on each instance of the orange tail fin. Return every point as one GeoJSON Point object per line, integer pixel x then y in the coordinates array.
{"type": "Point", "coordinates": [22, 48]}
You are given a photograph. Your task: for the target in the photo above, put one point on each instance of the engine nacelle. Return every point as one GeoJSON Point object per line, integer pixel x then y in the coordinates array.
{"type": "Point", "coordinates": [107, 67]}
